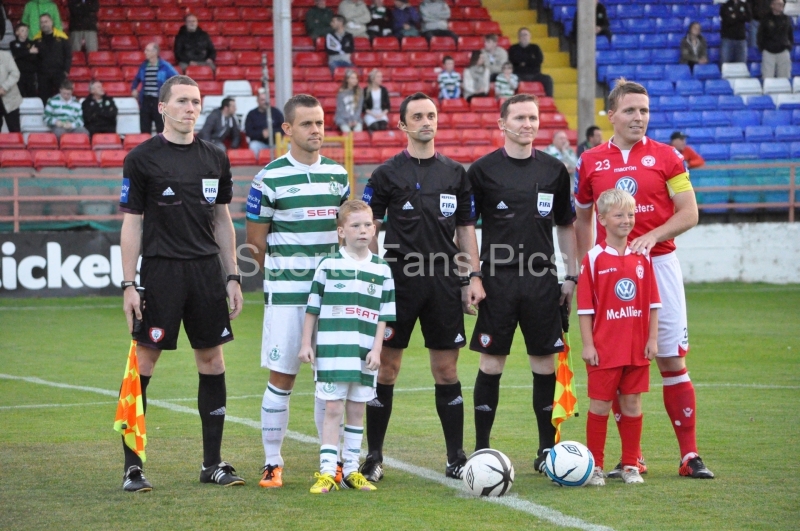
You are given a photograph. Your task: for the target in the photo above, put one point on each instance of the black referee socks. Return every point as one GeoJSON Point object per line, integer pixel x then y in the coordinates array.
{"type": "Point", "coordinates": [544, 389]}
{"type": "Point", "coordinates": [485, 397]}
{"type": "Point", "coordinates": [211, 399]}
{"type": "Point", "coordinates": [379, 411]}
{"type": "Point", "coordinates": [130, 456]}
{"type": "Point", "coordinates": [450, 407]}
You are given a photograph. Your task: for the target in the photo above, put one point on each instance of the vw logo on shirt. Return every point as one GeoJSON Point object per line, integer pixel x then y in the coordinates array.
{"type": "Point", "coordinates": [625, 289]}
{"type": "Point", "coordinates": [627, 184]}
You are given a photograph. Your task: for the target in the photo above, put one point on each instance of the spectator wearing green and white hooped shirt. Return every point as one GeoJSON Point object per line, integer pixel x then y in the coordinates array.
{"type": "Point", "coordinates": [63, 113]}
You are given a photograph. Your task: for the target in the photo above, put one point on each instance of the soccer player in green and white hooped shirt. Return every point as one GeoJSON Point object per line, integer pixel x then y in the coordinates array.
{"type": "Point", "coordinates": [351, 300]}
{"type": "Point", "coordinates": [291, 225]}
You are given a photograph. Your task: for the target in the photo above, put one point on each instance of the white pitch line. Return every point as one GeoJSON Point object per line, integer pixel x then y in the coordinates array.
{"type": "Point", "coordinates": [50, 406]}
{"type": "Point", "coordinates": [539, 511]}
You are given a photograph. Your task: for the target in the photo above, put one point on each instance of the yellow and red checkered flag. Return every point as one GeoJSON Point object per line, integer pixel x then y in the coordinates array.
{"type": "Point", "coordinates": [565, 401]}
{"type": "Point", "coordinates": [129, 420]}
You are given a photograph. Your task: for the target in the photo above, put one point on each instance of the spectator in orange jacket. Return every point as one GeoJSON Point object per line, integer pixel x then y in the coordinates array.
{"type": "Point", "coordinates": [692, 158]}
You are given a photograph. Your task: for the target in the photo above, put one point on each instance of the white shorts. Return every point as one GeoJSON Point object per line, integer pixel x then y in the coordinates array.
{"type": "Point", "coordinates": [673, 333]}
{"type": "Point", "coordinates": [355, 392]}
{"type": "Point", "coordinates": [281, 337]}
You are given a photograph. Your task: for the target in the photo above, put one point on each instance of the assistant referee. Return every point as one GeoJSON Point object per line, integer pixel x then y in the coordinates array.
{"type": "Point", "coordinates": [521, 194]}
{"type": "Point", "coordinates": [428, 200]}
{"type": "Point", "coordinates": [175, 194]}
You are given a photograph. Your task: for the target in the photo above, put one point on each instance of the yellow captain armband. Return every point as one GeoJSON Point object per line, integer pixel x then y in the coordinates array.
{"type": "Point", "coordinates": [679, 183]}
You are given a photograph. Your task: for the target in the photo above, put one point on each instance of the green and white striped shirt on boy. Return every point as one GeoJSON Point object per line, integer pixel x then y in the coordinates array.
{"type": "Point", "coordinates": [350, 297]}
{"type": "Point", "coordinates": [301, 202]}
{"type": "Point", "coordinates": [63, 110]}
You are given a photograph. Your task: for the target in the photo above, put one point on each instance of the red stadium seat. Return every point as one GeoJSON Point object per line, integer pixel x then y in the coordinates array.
{"type": "Point", "coordinates": [406, 74]}
{"type": "Point", "coordinates": [208, 88]}
{"type": "Point", "coordinates": [361, 139]}
{"type": "Point", "coordinates": [298, 28]}
{"type": "Point", "coordinates": [424, 59]}
{"type": "Point", "coordinates": [148, 28]}
{"type": "Point", "coordinates": [80, 73]}
{"type": "Point", "coordinates": [460, 28]}
{"type": "Point", "coordinates": [225, 73]}
{"type": "Point", "coordinates": [106, 73]}
{"type": "Point", "coordinates": [225, 58]}
{"type": "Point", "coordinates": [124, 42]}
{"type": "Point", "coordinates": [326, 89]}
{"type": "Point", "coordinates": [410, 44]}
{"type": "Point", "coordinates": [387, 138]}
{"type": "Point", "coordinates": [442, 44]}
{"type": "Point", "coordinates": [268, 43]}
{"type": "Point", "coordinates": [116, 28]}
{"type": "Point", "coordinates": [42, 141]}
{"type": "Point", "coordinates": [483, 104]}
{"type": "Point", "coordinates": [489, 119]}
{"type": "Point", "coordinates": [361, 44]}
{"type": "Point", "coordinates": [110, 14]}
{"type": "Point", "coordinates": [170, 13]}
{"type": "Point", "coordinates": [112, 158]}
{"type": "Point", "coordinates": [485, 27]}
{"type": "Point", "coordinates": [394, 59]}
{"type": "Point", "coordinates": [129, 72]}
{"type": "Point", "coordinates": [498, 137]}
{"type": "Point", "coordinates": [117, 89]}
{"type": "Point", "coordinates": [461, 59]}
{"type": "Point", "coordinates": [226, 13]}
{"type": "Point", "coordinates": [299, 43]}
{"type": "Point", "coordinates": [572, 137]}
{"type": "Point", "coordinates": [412, 87]}
{"type": "Point", "coordinates": [552, 120]}
{"type": "Point", "coordinates": [243, 44]}
{"type": "Point", "coordinates": [220, 42]}
{"type": "Point", "coordinates": [256, 14]}
{"type": "Point", "coordinates": [249, 59]}
{"type": "Point", "coordinates": [457, 153]}
{"type": "Point", "coordinates": [531, 87]}
{"type": "Point", "coordinates": [242, 157]}
{"type": "Point", "coordinates": [80, 89]}
{"type": "Point", "coordinates": [161, 40]}
{"type": "Point", "coordinates": [78, 59]}
{"type": "Point", "coordinates": [172, 27]}
{"type": "Point", "coordinates": [12, 141]}
{"type": "Point", "coordinates": [444, 120]}
{"type": "Point", "coordinates": [388, 152]}
{"type": "Point", "coordinates": [457, 105]}
{"type": "Point", "coordinates": [475, 13]}
{"type": "Point", "coordinates": [133, 140]}
{"type": "Point", "coordinates": [49, 159]}
{"type": "Point", "coordinates": [544, 136]}
{"type": "Point", "coordinates": [482, 151]}
{"type": "Point", "coordinates": [466, 120]}
{"type": "Point", "coordinates": [15, 158]}
{"type": "Point", "coordinates": [470, 43]}
{"type": "Point", "coordinates": [318, 74]}
{"type": "Point", "coordinates": [102, 141]}
{"type": "Point", "coordinates": [504, 42]}
{"type": "Point", "coordinates": [75, 141]}
{"type": "Point", "coordinates": [385, 44]}
{"type": "Point", "coordinates": [477, 136]}
{"type": "Point", "coordinates": [253, 73]}
{"type": "Point", "coordinates": [547, 104]}
{"type": "Point", "coordinates": [367, 155]}
{"type": "Point", "coordinates": [130, 58]}
{"type": "Point", "coordinates": [307, 59]}
{"type": "Point", "coordinates": [448, 137]}
{"type": "Point", "coordinates": [81, 159]}
{"type": "Point", "coordinates": [367, 59]}
{"type": "Point", "coordinates": [236, 28]}
{"type": "Point", "coordinates": [141, 13]}
{"type": "Point", "coordinates": [200, 72]}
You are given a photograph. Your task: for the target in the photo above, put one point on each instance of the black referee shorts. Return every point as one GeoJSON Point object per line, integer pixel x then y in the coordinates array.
{"type": "Point", "coordinates": [192, 291]}
{"type": "Point", "coordinates": [528, 300]}
{"type": "Point", "coordinates": [433, 299]}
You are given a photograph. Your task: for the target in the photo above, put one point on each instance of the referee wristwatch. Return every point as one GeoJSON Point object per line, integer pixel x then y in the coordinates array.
{"type": "Point", "coordinates": [125, 284]}
{"type": "Point", "coordinates": [572, 278]}
{"type": "Point", "coordinates": [237, 278]}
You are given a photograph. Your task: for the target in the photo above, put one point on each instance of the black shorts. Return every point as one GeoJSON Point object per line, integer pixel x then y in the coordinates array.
{"type": "Point", "coordinates": [434, 299]}
{"type": "Point", "coordinates": [188, 290]}
{"type": "Point", "coordinates": [531, 301]}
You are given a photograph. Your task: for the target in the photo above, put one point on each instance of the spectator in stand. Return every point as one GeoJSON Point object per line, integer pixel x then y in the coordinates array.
{"type": "Point", "coordinates": [561, 150]}
{"type": "Point", "coordinates": [735, 15]}
{"type": "Point", "coordinates": [255, 124]}
{"type": "Point", "coordinates": [55, 58]}
{"type": "Point", "coordinates": [594, 137]}
{"type": "Point", "coordinates": [527, 60]}
{"type": "Point", "coordinates": [339, 44]}
{"type": "Point", "coordinates": [63, 113]}
{"type": "Point", "coordinates": [602, 26]}
{"type": "Point", "coordinates": [35, 9]}
{"type": "Point", "coordinates": [505, 85]}
{"type": "Point", "coordinates": [193, 46]}
{"type": "Point", "coordinates": [381, 23]}
{"type": "Point", "coordinates": [435, 16]}
{"type": "Point", "coordinates": [153, 72]}
{"type": "Point", "coordinates": [99, 110]}
{"type": "Point", "coordinates": [694, 49]}
{"type": "Point", "coordinates": [83, 24]}
{"type": "Point", "coordinates": [222, 125]}
{"type": "Point", "coordinates": [775, 39]}
{"type": "Point", "coordinates": [26, 55]}
{"type": "Point", "coordinates": [10, 98]}
{"type": "Point", "coordinates": [318, 20]}
{"type": "Point", "coordinates": [476, 77]}
{"type": "Point", "coordinates": [759, 9]}
{"type": "Point", "coordinates": [494, 57]}
{"type": "Point", "coordinates": [691, 157]}
{"type": "Point", "coordinates": [449, 80]}
{"type": "Point", "coordinates": [376, 102]}
{"type": "Point", "coordinates": [357, 15]}
{"type": "Point", "coordinates": [348, 104]}
{"type": "Point", "coordinates": [406, 20]}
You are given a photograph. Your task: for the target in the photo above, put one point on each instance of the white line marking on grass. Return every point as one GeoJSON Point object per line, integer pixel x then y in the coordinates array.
{"type": "Point", "coordinates": [539, 511]}
{"type": "Point", "coordinates": [50, 406]}
{"type": "Point", "coordinates": [80, 307]}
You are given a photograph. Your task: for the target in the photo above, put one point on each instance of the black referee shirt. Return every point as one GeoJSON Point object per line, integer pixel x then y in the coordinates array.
{"type": "Point", "coordinates": [425, 199]}
{"type": "Point", "coordinates": [176, 187]}
{"type": "Point", "coordinates": [519, 201]}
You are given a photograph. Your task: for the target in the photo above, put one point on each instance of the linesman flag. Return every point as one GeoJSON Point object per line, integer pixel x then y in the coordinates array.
{"type": "Point", "coordinates": [129, 420]}
{"type": "Point", "coordinates": [565, 401]}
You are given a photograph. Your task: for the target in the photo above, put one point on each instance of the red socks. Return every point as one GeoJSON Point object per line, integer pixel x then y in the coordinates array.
{"type": "Point", "coordinates": [630, 431]}
{"type": "Point", "coordinates": [596, 430]}
{"type": "Point", "coordinates": [679, 400]}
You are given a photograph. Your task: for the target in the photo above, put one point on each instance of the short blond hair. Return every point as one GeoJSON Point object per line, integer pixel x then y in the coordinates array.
{"type": "Point", "coordinates": [351, 207]}
{"type": "Point", "coordinates": [615, 198]}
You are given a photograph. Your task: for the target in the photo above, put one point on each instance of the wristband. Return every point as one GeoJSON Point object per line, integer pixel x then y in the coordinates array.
{"type": "Point", "coordinates": [476, 274]}
{"type": "Point", "coordinates": [125, 284]}
{"type": "Point", "coordinates": [572, 278]}
{"type": "Point", "coordinates": [237, 278]}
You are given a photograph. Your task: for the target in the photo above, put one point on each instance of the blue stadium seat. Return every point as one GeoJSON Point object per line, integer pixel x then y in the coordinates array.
{"type": "Point", "coordinates": [618, 26]}
{"type": "Point", "coordinates": [649, 72]}
{"type": "Point", "coordinates": [601, 43]}
{"type": "Point", "coordinates": [625, 42]}
{"type": "Point", "coordinates": [684, 11]}
{"type": "Point", "coordinates": [774, 118]}
{"type": "Point", "coordinates": [659, 120]}
{"type": "Point", "coordinates": [682, 120]}
{"type": "Point", "coordinates": [718, 87]}
{"type": "Point", "coordinates": [713, 53]}
{"type": "Point", "coordinates": [636, 57]}
{"type": "Point", "coordinates": [758, 133]}
{"type": "Point", "coordinates": [707, 10]}
{"type": "Point", "coordinates": [795, 150]}
{"type": "Point", "coordinates": [678, 73]}
{"type": "Point", "coordinates": [689, 87]}
{"type": "Point", "coordinates": [787, 133]}
{"type": "Point", "coordinates": [714, 152]}
{"type": "Point", "coordinates": [653, 41]}
{"type": "Point", "coordinates": [727, 135]}
{"type": "Point", "coordinates": [674, 39]}
{"type": "Point", "coordinates": [716, 118]}
{"type": "Point", "coordinates": [657, 88]}
{"type": "Point", "coordinates": [703, 103]}
{"type": "Point", "coordinates": [774, 150]}
{"type": "Point", "coordinates": [627, 11]}
{"type": "Point", "coordinates": [617, 71]}
{"type": "Point", "coordinates": [796, 117]}
{"type": "Point", "coordinates": [729, 102]}
{"type": "Point", "coordinates": [670, 25]}
{"type": "Point", "coordinates": [713, 40]}
{"type": "Point", "coordinates": [564, 13]}
{"type": "Point", "coordinates": [673, 103]}
{"type": "Point", "coordinates": [753, 55]}
{"type": "Point", "coordinates": [744, 151]}
{"type": "Point", "coordinates": [700, 135]}
{"type": "Point", "coordinates": [669, 56]}
{"type": "Point", "coordinates": [760, 103]}
{"type": "Point", "coordinates": [609, 57]}
{"type": "Point", "coordinates": [660, 135]}
{"type": "Point", "coordinates": [707, 71]}
{"type": "Point", "coordinates": [755, 69]}
{"type": "Point", "coordinates": [745, 118]}
{"type": "Point", "coordinates": [796, 68]}
{"type": "Point", "coordinates": [657, 11]}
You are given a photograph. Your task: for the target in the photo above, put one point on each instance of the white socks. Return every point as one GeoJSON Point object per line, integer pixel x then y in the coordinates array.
{"type": "Point", "coordinates": [274, 421]}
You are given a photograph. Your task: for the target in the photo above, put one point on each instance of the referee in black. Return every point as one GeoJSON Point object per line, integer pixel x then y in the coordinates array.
{"type": "Point", "coordinates": [521, 193]}
{"type": "Point", "coordinates": [428, 200]}
{"type": "Point", "coordinates": [175, 194]}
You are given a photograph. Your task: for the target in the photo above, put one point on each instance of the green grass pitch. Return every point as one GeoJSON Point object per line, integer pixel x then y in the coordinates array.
{"type": "Point", "coordinates": [61, 362]}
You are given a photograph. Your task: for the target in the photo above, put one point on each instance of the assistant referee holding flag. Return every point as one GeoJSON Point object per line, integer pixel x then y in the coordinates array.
{"type": "Point", "coordinates": [428, 200]}
{"type": "Point", "coordinates": [175, 194]}
{"type": "Point", "coordinates": [521, 194]}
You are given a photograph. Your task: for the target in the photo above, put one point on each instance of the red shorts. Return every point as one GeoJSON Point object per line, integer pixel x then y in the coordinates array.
{"type": "Point", "coordinates": [629, 379]}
